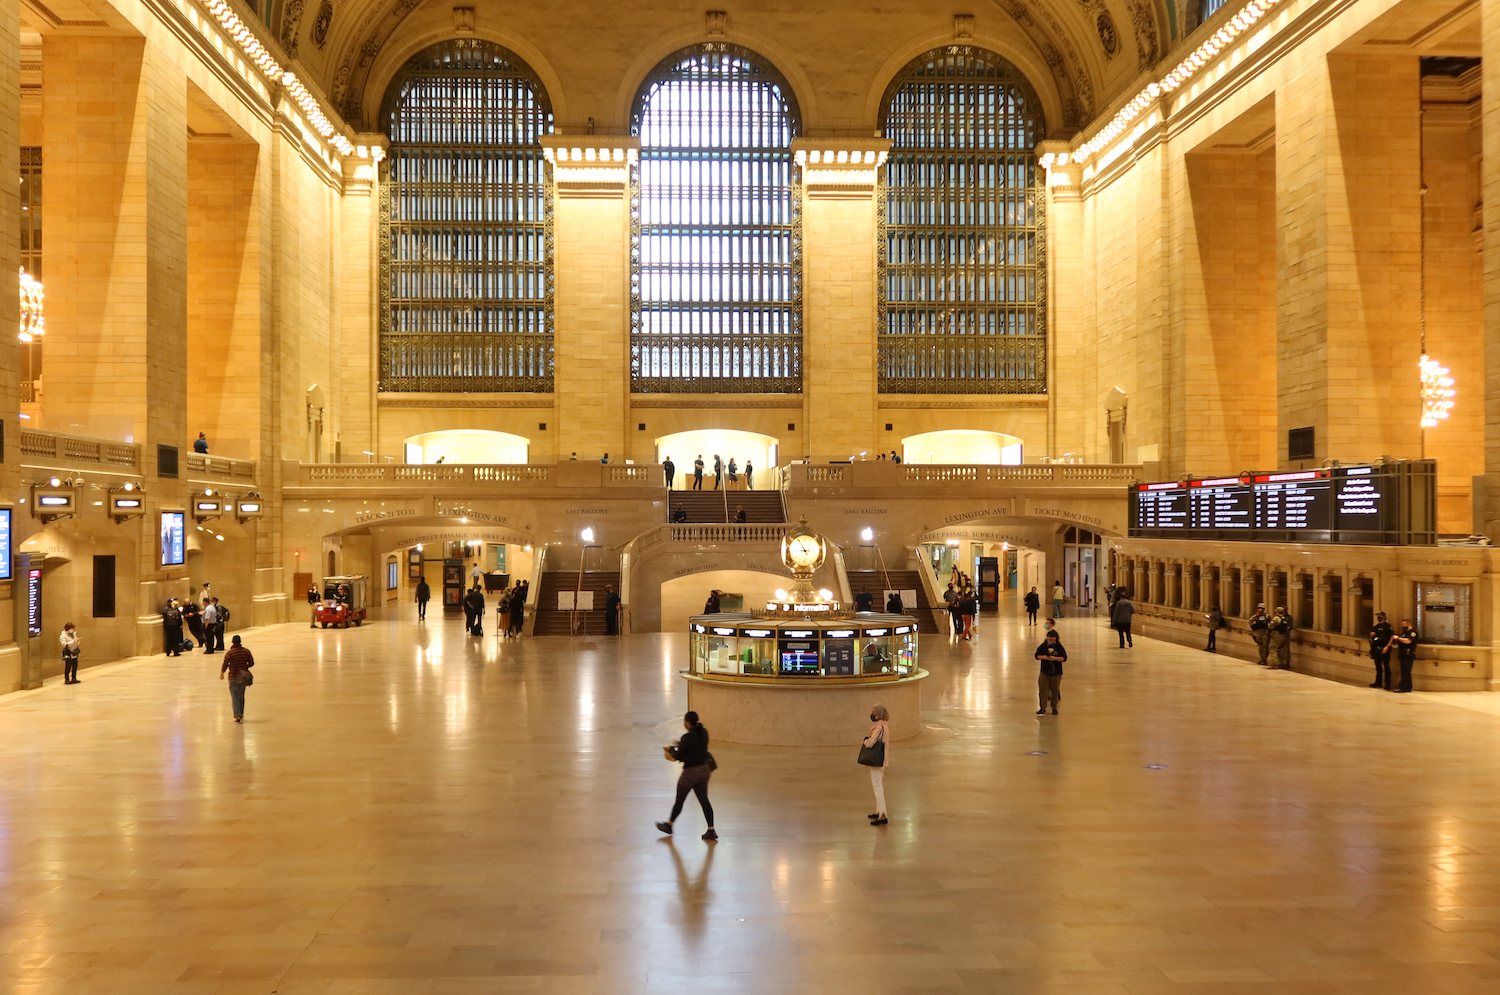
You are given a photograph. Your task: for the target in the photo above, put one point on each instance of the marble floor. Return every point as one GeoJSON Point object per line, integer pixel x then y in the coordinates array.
{"type": "Point", "coordinates": [409, 811]}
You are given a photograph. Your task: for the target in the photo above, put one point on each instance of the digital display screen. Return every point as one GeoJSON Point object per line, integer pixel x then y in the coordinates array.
{"type": "Point", "coordinates": [34, 601]}
{"type": "Point", "coordinates": [53, 501]}
{"type": "Point", "coordinates": [5, 564]}
{"type": "Point", "coordinates": [173, 539]}
{"type": "Point", "coordinates": [1348, 504]}
{"type": "Point", "coordinates": [799, 657]}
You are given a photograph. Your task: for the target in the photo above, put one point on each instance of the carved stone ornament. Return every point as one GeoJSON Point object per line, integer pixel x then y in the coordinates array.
{"type": "Point", "coordinates": [291, 23]}
{"type": "Point", "coordinates": [322, 23]}
{"type": "Point", "coordinates": [715, 22]}
{"type": "Point", "coordinates": [463, 20]}
{"type": "Point", "coordinates": [1108, 36]}
{"type": "Point", "coordinates": [963, 27]}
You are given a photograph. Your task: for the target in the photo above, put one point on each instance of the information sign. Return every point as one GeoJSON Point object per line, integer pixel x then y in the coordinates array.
{"type": "Point", "coordinates": [838, 657]}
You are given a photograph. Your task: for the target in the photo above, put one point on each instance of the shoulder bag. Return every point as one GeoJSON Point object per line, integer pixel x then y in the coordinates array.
{"type": "Point", "coordinates": [873, 756]}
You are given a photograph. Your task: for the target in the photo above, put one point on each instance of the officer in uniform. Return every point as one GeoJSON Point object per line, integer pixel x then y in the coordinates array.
{"type": "Point", "coordinates": [1380, 651]}
{"type": "Point", "coordinates": [1281, 640]}
{"type": "Point", "coordinates": [1260, 630]}
{"type": "Point", "coordinates": [1406, 653]}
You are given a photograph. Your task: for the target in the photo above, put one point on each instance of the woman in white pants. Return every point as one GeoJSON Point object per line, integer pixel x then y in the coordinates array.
{"type": "Point", "coordinates": [880, 729]}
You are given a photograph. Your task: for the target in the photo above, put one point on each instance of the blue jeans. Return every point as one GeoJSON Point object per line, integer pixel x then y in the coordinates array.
{"type": "Point", "coordinates": [1057, 608]}
{"type": "Point", "coordinates": [237, 696]}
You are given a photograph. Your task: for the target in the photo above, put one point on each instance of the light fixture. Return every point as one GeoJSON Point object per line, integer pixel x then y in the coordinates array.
{"type": "Point", "coordinates": [587, 535]}
{"type": "Point", "coordinates": [780, 594]}
{"type": "Point", "coordinates": [1438, 392]}
{"type": "Point", "coordinates": [126, 501]}
{"type": "Point", "coordinates": [207, 505]}
{"type": "Point", "coordinates": [248, 507]}
{"type": "Point", "coordinates": [33, 325]}
{"type": "Point", "coordinates": [867, 534]}
{"type": "Point", "coordinates": [825, 594]}
{"type": "Point", "coordinates": [57, 498]}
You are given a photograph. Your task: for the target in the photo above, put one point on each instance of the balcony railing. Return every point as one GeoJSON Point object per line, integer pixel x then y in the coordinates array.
{"type": "Point", "coordinates": [220, 467]}
{"type": "Point", "coordinates": [38, 444]}
{"type": "Point", "coordinates": [886, 474]}
{"type": "Point", "coordinates": [704, 534]}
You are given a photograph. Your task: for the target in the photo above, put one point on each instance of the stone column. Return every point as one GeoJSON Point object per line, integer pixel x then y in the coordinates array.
{"type": "Point", "coordinates": [1075, 417]}
{"type": "Point", "coordinates": [591, 313]}
{"type": "Point", "coordinates": [10, 354]}
{"type": "Point", "coordinates": [1489, 190]}
{"type": "Point", "coordinates": [840, 323]}
{"type": "Point", "coordinates": [1348, 209]}
{"type": "Point", "coordinates": [359, 268]}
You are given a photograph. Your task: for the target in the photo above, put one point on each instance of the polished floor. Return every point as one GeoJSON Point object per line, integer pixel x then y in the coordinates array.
{"type": "Point", "coordinates": [410, 811]}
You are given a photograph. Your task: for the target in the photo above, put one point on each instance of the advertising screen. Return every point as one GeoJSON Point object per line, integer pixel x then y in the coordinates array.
{"type": "Point", "coordinates": [173, 539]}
{"type": "Point", "coordinates": [5, 564]}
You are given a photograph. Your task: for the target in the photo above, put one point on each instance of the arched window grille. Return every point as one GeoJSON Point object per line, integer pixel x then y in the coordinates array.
{"type": "Point", "coordinates": [466, 240]}
{"type": "Point", "coordinates": [963, 274]}
{"type": "Point", "coordinates": [1208, 8]}
{"type": "Point", "coordinates": [716, 249]}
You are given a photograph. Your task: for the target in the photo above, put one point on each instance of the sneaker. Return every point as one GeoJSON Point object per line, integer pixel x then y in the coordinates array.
{"type": "Point", "coordinates": [1041, 711]}
{"type": "Point", "coordinates": [879, 822]}
{"type": "Point", "coordinates": [711, 836]}
{"type": "Point", "coordinates": [665, 827]}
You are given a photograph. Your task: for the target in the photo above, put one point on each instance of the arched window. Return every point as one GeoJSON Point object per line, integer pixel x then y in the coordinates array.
{"type": "Point", "coordinates": [465, 249]}
{"type": "Point", "coordinates": [1208, 8]}
{"type": "Point", "coordinates": [716, 254]}
{"type": "Point", "coordinates": [963, 281]}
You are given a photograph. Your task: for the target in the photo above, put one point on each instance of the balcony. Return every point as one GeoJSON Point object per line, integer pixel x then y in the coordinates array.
{"type": "Point", "coordinates": [55, 450]}
{"type": "Point", "coordinates": [944, 479]}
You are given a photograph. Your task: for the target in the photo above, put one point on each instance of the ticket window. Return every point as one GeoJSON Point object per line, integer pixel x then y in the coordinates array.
{"type": "Point", "coordinates": [905, 652]}
{"type": "Point", "coordinates": [720, 656]}
{"type": "Point", "coordinates": [698, 650]}
{"type": "Point", "coordinates": [876, 654]}
{"type": "Point", "coordinates": [757, 655]}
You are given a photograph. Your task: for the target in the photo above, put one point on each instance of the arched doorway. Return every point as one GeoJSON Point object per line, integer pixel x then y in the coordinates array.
{"type": "Point", "coordinates": [466, 445]}
{"type": "Point", "coordinates": [743, 447]}
{"type": "Point", "coordinates": [962, 446]}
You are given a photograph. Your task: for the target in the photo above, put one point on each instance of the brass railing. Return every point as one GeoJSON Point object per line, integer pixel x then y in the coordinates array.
{"type": "Point", "coordinates": [78, 449]}
{"type": "Point", "coordinates": [963, 364]}
{"type": "Point", "coordinates": [466, 362]}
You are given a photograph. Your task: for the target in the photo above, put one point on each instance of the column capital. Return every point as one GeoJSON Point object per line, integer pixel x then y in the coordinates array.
{"type": "Point", "coordinates": [590, 165]}
{"type": "Point", "coordinates": [840, 168]}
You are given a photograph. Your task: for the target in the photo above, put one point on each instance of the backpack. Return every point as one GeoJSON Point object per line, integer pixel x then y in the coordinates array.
{"type": "Point", "coordinates": [223, 614]}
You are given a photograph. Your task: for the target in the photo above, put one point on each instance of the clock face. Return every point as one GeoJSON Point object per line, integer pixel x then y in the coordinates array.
{"type": "Point", "coordinates": [803, 550]}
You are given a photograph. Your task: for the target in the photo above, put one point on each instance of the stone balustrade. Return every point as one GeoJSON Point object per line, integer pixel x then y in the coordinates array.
{"type": "Point", "coordinates": [57, 449]}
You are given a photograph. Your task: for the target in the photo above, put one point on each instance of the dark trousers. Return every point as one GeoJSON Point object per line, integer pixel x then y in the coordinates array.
{"type": "Point", "coordinates": [468, 619]}
{"type": "Point", "coordinates": [218, 636]}
{"type": "Point", "coordinates": [1213, 645]}
{"type": "Point", "coordinates": [612, 623]}
{"type": "Point", "coordinates": [717, 476]}
{"type": "Point", "coordinates": [670, 477]}
{"type": "Point", "coordinates": [697, 481]}
{"type": "Point", "coordinates": [517, 622]}
{"type": "Point", "coordinates": [749, 481]}
{"type": "Point", "coordinates": [1124, 631]}
{"type": "Point", "coordinates": [196, 628]}
{"type": "Point", "coordinates": [1382, 669]}
{"type": "Point", "coordinates": [1048, 691]}
{"type": "Point", "coordinates": [1405, 661]}
{"type": "Point", "coordinates": [70, 667]}
{"type": "Point", "coordinates": [694, 779]}
{"type": "Point", "coordinates": [172, 636]}
{"type": "Point", "coordinates": [1031, 616]}
{"type": "Point", "coordinates": [213, 636]}
{"type": "Point", "coordinates": [422, 609]}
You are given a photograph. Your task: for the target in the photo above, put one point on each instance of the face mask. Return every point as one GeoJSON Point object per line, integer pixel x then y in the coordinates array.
{"type": "Point", "coordinates": [873, 718]}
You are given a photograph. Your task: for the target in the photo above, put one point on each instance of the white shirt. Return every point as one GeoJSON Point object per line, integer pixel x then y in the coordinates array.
{"type": "Point", "coordinates": [211, 613]}
{"type": "Point", "coordinates": [68, 641]}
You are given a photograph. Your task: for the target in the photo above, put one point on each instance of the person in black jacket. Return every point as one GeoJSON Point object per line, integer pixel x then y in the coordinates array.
{"type": "Point", "coordinates": [1405, 642]}
{"type": "Point", "coordinates": [893, 604]}
{"type": "Point", "coordinates": [1120, 617]}
{"type": "Point", "coordinates": [1380, 651]}
{"type": "Point", "coordinates": [1033, 605]}
{"type": "Point", "coordinates": [171, 622]}
{"type": "Point", "coordinates": [424, 595]}
{"type": "Point", "coordinates": [697, 766]}
{"type": "Point", "coordinates": [669, 471]}
{"type": "Point", "coordinates": [1049, 681]}
{"type": "Point", "coordinates": [711, 606]}
{"type": "Point", "coordinates": [474, 610]}
{"type": "Point", "coordinates": [864, 601]}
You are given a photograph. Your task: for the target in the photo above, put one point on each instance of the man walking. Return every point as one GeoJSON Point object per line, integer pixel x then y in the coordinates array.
{"type": "Point", "coordinates": [1260, 631]}
{"type": "Point", "coordinates": [1033, 605]}
{"type": "Point", "coordinates": [669, 471]}
{"type": "Point", "coordinates": [698, 473]}
{"type": "Point", "coordinates": [1381, 637]}
{"type": "Point", "coordinates": [424, 595]}
{"type": "Point", "coordinates": [1121, 616]}
{"type": "Point", "coordinates": [1058, 596]}
{"type": "Point", "coordinates": [1281, 639]}
{"type": "Point", "coordinates": [1215, 623]}
{"type": "Point", "coordinates": [611, 611]}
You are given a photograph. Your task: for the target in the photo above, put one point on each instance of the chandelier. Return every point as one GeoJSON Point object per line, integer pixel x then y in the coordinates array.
{"type": "Point", "coordinates": [1437, 392]}
{"type": "Point", "coordinates": [31, 308]}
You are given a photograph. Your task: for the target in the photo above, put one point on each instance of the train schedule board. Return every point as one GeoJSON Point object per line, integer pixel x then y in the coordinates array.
{"type": "Point", "coordinates": [1386, 504]}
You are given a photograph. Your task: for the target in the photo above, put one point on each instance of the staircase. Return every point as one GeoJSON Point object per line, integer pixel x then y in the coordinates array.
{"type": "Point", "coordinates": [551, 622]}
{"type": "Point", "coordinates": [901, 580]}
{"type": "Point", "coordinates": [707, 507]}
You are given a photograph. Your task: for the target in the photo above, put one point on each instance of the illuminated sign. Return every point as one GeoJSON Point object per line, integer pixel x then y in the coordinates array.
{"type": "Point", "coordinates": [54, 501]}
{"type": "Point", "coordinates": [34, 601]}
{"type": "Point", "coordinates": [5, 565]}
{"type": "Point", "coordinates": [173, 539]}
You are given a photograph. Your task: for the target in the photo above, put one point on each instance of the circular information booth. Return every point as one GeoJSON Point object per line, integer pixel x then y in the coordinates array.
{"type": "Point", "coordinates": [805, 670]}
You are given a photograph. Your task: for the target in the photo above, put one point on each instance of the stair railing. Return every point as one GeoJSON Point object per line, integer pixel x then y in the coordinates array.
{"type": "Point", "coordinates": [583, 557]}
{"type": "Point", "coordinates": [880, 561]}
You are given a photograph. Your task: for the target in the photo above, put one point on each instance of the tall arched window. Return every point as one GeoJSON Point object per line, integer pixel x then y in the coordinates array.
{"type": "Point", "coordinates": [465, 249]}
{"type": "Point", "coordinates": [963, 279]}
{"type": "Point", "coordinates": [717, 256]}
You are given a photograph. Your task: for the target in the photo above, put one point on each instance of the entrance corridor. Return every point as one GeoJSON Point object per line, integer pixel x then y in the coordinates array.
{"type": "Point", "coordinates": [409, 811]}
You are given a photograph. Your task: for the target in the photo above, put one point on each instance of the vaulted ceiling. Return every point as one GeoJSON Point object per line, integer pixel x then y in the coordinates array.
{"type": "Point", "coordinates": [838, 54]}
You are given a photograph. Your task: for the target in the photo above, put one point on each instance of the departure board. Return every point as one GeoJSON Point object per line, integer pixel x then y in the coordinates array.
{"type": "Point", "coordinates": [1391, 503]}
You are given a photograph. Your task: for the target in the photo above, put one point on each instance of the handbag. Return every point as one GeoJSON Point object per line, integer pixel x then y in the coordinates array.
{"type": "Point", "coordinates": [713, 764]}
{"type": "Point", "coordinates": [873, 756]}
{"type": "Point", "coordinates": [242, 677]}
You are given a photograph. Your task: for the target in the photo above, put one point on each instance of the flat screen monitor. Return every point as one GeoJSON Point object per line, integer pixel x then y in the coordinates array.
{"type": "Point", "coordinates": [173, 539]}
{"type": "Point", "coordinates": [5, 564]}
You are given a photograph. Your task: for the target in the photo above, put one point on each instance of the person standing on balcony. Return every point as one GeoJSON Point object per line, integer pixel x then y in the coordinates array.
{"type": "Point", "coordinates": [734, 473]}
{"type": "Point", "coordinates": [1033, 605]}
{"type": "Point", "coordinates": [698, 473]}
{"type": "Point", "coordinates": [669, 471]}
{"type": "Point", "coordinates": [200, 445]}
{"type": "Point", "coordinates": [718, 471]}
{"type": "Point", "coordinates": [604, 459]}
{"type": "Point", "coordinates": [1058, 597]}
{"type": "Point", "coordinates": [749, 476]}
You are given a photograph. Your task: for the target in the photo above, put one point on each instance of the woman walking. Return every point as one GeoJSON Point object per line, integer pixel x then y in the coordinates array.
{"type": "Point", "coordinates": [69, 641]}
{"type": "Point", "coordinates": [1049, 682]}
{"type": "Point", "coordinates": [697, 766]}
{"type": "Point", "coordinates": [968, 605]}
{"type": "Point", "coordinates": [237, 664]}
{"type": "Point", "coordinates": [876, 755]}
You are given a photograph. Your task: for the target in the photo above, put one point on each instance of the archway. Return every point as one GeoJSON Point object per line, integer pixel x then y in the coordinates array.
{"type": "Point", "coordinates": [683, 597]}
{"type": "Point", "coordinates": [466, 445]}
{"type": "Point", "coordinates": [742, 447]}
{"type": "Point", "coordinates": [962, 446]}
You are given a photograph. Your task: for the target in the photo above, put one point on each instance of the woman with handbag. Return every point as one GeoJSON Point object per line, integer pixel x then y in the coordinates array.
{"type": "Point", "coordinates": [237, 663]}
{"type": "Point", "coordinates": [697, 766]}
{"type": "Point", "coordinates": [876, 755]}
{"type": "Point", "coordinates": [69, 641]}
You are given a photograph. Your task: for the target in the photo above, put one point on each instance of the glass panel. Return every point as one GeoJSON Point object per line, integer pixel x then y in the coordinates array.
{"type": "Point", "coordinates": [758, 656]}
{"type": "Point", "coordinates": [717, 253]}
{"type": "Point", "coordinates": [963, 279]}
{"type": "Point", "coordinates": [875, 655]}
{"type": "Point", "coordinates": [466, 261]}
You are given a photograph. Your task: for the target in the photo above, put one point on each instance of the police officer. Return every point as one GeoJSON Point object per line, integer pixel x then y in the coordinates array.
{"type": "Point", "coordinates": [1406, 653]}
{"type": "Point", "coordinates": [1380, 651]}
{"type": "Point", "coordinates": [1281, 640]}
{"type": "Point", "coordinates": [1260, 630]}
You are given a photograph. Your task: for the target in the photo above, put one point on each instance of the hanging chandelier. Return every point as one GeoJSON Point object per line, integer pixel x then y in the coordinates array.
{"type": "Point", "coordinates": [32, 326]}
{"type": "Point", "coordinates": [1437, 392]}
